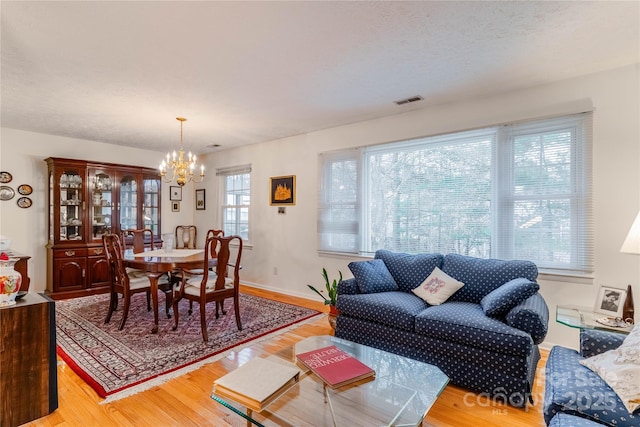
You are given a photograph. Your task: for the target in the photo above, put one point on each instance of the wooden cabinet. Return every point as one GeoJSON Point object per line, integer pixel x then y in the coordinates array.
{"type": "Point", "coordinates": [86, 201]}
{"type": "Point", "coordinates": [29, 380]}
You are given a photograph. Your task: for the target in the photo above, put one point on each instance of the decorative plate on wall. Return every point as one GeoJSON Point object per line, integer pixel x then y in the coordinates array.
{"type": "Point", "coordinates": [25, 189]}
{"type": "Point", "coordinates": [6, 192]}
{"type": "Point", "coordinates": [24, 202]}
{"type": "Point", "coordinates": [5, 177]}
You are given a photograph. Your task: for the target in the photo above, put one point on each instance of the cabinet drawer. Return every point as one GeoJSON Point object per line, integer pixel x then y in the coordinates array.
{"type": "Point", "coordinates": [96, 250]}
{"type": "Point", "coordinates": [69, 253]}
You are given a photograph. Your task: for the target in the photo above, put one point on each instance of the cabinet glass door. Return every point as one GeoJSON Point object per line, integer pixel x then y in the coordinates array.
{"type": "Point", "coordinates": [151, 212]}
{"type": "Point", "coordinates": [101, 204]}
{"type": "Point", "coordinates": [71, 204]}
{"type": "Point", "coordinates": [128, 209]}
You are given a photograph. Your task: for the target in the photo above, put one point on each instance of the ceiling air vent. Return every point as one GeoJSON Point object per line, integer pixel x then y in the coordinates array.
{"type": "Point", "coordinates": [409, 100]}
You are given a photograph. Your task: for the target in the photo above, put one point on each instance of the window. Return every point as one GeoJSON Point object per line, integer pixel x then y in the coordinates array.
{"type": "Point", "coordinates": [236, 193]}
{"type": "Point", "coordinates": [518, 191]}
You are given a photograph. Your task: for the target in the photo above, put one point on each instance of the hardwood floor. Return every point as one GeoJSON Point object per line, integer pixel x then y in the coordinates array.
{"type": "Point", "coordinates": [185, 401]}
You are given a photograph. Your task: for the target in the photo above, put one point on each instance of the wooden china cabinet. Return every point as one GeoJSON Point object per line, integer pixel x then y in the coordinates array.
{"type": "Point", "coordinates": [87, 200]}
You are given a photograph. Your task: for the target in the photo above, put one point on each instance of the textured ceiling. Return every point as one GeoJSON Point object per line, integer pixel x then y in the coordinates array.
{"type": "Point", "coordinates": [248, 72]}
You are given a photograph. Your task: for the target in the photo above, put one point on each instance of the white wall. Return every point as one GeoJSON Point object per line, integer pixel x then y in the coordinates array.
{"type": "Point", "coordinates": [288, 243]}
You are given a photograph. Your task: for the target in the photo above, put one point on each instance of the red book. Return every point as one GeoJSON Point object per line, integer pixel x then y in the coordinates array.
{"type": "Point", "coordinates": [334, 366]}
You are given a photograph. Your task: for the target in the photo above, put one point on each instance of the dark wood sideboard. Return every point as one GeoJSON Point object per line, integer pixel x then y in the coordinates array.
{"type": "Point", "coordinates": [28, 367]}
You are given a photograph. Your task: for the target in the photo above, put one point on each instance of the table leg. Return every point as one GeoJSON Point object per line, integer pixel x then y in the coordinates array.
{"type": "Point", "coordinates": [153, 280]}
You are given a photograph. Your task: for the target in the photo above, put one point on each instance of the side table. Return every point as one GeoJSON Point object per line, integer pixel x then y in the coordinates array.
{"type": "Point", "coordinates": [28, 366]}
{"type": "Point", "coordinates": [576, 316]}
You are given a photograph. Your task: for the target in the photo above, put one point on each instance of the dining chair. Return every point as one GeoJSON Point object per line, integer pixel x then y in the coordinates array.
{"type": "Point", "coordinates": [186, 236]}
{"type": "Point", "coordinates": [122, 282]}
{"type": "Point", "coordinates": [178, 275]}
{"type": "Point", "coordinates": [213, 287]}
{"type": "Point", "coordinates": [138, 240]}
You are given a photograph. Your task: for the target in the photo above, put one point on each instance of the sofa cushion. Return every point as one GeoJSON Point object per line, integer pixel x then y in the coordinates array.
{"type": "Point", "coordinates": [620, 369]}
{"type": "Point", "coordinates": [465, 323]}
{"type": "Point", "coordinates": [574, 389]}
{"type": "Point", "coordinates": [531, 316]}
{"type": "Point", "coordinates": [566, 420]}
{"type": "Point", "coordinates": [372, 276]}
{"type": "Point", "coordinates": [437, 288]}
{"type": "Point", "coordinates": [481, 276]}
{"type": "Point", "coordinates": [409, 270]}
{"type": "Point", "coordinates": [594, 341]}
{"type": "Point", "coordinates": [498, 302]}
{"type": "Point", "coordinates": [396, 309]}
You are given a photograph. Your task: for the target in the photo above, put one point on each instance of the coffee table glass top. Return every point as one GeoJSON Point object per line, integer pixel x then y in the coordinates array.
{"type": "Point", "coordinates": [401, 394]}
{"type": "Point", "coordinates": [576, 316]}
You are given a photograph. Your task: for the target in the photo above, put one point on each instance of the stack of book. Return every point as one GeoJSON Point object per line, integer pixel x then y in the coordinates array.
{"type": "Point", "coordinates": [335, 367]}
{"type": "Point", "coordinates": [257, 383]}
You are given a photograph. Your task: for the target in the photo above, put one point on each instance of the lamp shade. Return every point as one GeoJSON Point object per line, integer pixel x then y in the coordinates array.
{"type": "Point", "coordinates": [631, 244]}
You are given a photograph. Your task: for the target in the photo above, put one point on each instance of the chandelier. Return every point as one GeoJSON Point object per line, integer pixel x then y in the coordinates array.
{"type": "Point", "coordinates": [181, 169]}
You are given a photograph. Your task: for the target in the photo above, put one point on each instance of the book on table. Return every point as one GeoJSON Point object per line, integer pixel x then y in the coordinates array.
{"type": "Point", "coordinates": [257, 383]}
{"type": "Point", "coordinates": [334, 366]}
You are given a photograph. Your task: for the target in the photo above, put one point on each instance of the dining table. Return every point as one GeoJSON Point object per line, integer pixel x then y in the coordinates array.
{"type": "Point", "coordinates": [157, 262]}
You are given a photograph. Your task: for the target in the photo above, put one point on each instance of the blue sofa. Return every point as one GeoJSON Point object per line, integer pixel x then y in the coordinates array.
{"type": "Point", "coordinates": [577, 396]}
{"type": "Point", "coordinates": [494, 355]}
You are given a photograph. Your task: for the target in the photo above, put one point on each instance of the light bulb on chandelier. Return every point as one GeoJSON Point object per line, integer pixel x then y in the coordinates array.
{"type": "Point", "coordinates": [182, 170]}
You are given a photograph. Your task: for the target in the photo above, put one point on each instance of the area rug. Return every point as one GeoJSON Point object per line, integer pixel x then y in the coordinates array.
{"type": "Point", "coordinates": [117, 364]}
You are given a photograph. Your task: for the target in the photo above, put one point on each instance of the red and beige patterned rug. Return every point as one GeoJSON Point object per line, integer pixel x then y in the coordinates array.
{"type": "Point", "coordinates": [120, 363]}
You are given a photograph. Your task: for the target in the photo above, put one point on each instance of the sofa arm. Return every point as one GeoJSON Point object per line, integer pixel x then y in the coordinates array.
{"type": "Point", "coordinates": [594, 341]}
{"type": "Point", "coordinates": [531, 316]}
{"type": "Point", "coordinates": [348, 287]}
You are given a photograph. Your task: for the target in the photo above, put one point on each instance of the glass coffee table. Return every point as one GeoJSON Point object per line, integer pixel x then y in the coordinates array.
{"type": "Point", "coordinates": [401, 394]}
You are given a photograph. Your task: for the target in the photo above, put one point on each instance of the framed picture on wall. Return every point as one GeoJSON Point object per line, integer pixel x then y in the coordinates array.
{"type": "Point", "coordinates": [610, 301]}
{"type": "Point", "coordinates": [175, 206]}
{"type": "Point", "coordinates": [200, 200]}
{"type": "Point", "coordinates": [175, 193]}
{"type": "Point", "coordinates": [283, 190]}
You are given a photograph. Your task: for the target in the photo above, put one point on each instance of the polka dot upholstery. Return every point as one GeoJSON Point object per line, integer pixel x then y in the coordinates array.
{"type": "Point", "coordinates": [492, 355]}
{"type": "Point", "coordinates": [465, 323]}
{"type": "Point", "coordinates": [409, 271]}
{"type": "Point", "coordinates": [348, 287]}
{"type": "Point", "coordinates": [481, 276]}
{"type": "Point", "coordinates": [566, 420]}
{"type": "Point", "coordinates": [498, 302]}
{"type": "Point", "coordinates": [396, 309]}
{"type": "Point", "coordinates": [531, 316]}
{"type": "Point", "coordinates": [504, 376]}
{"type": "Point", "coordinates": [576, 390]}
{"type": "Point", "coordinates": [372, 276]}
{"type": "Point", "coordinates": [593, 341]}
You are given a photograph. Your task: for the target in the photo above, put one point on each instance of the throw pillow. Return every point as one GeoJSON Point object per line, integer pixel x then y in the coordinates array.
{"type": "Point", "coordinates": [438, 287]}
{"type": "Point", "coordinates": [499, 301]}
{"type": "Point", "coordinates": [620, 369]}
{"type": "Point", "coordinates": [372, 276]}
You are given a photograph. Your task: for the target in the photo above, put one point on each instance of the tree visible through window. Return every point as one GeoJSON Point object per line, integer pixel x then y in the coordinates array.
{"type": "Point", "coordinates": [513, 191]}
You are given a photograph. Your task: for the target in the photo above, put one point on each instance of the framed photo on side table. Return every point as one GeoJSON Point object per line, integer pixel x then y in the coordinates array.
{"type": "Point", "coordinates": [175, 193]}
{"type": "Point", "coordinates": [200, 200]}
{"type": "Point", "coordinates": [610, 301]}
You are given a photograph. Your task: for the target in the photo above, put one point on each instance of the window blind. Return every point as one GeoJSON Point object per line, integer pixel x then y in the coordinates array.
{"type": "Point", "coordinates": [519, 190]}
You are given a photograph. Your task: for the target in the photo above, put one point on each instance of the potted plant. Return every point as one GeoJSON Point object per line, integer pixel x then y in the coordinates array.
{"type": "Point", "coordinates": [329, 294]}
